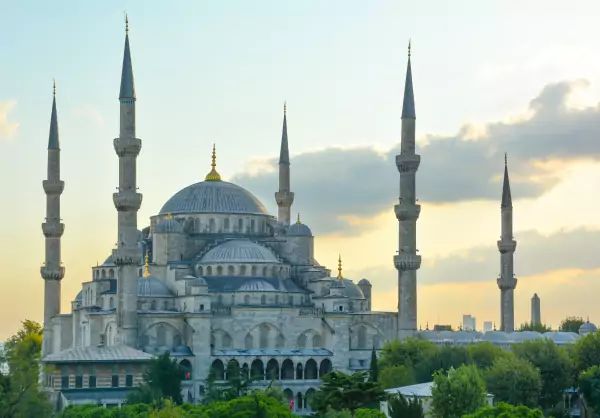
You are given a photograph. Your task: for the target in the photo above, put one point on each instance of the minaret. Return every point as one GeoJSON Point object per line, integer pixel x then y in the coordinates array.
{"type": "Point", "coordinates": [52, 271]}
{"type": "Point", "coordinates": [407, 261]}
{"type": "Point", "coordinates": [536, 316]}
{"type": "Point", "coordinates": [506, 245]}
{"type": "Point", "coordinates": [284, 197]}
{"type": "Point", "coordinates": [127, 202]}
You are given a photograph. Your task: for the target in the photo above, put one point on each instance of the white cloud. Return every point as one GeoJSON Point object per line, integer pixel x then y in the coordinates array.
{"type": "Point", "coordinates": [8, 129]}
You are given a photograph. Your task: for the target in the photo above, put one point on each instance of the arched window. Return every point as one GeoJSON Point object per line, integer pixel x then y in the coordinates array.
{"type": "Point", "coordinates": [240, 225]}
{"type": "Point", "coordinates": [226, 224]}
{"type": "Point", "coordinates": [287, 370]}
{"type": "Point", "coordinates": [218, 369]}
{"type": "Point", "coordinates": [104, 274]}
{"type": "Point", "coordinates": [231, 270]}
{"type": "Point", "coordinates": [186, 368]}
{"type": "Point", "coordinates": [310, 370]}
{"type": "Point", "coordinates": [249, 341]}
{"type": "Point", "coordinates": [176, 340]}
{"type": "Point", "coordinates": [111, 274]}
{"type": "Point", "coordinates": [289, 395]}
{"type": "Point", "coordinates": [299, 370]}
{"type": "Point", "coordinates": [308, 397]}
{"type": "Point", "coordinates": [299, 399]}
{"type": "Point", "coordinates": [233, 370]}
{"type": "Point", "coordinates": [264, 272]}
{"type": "Point", "coordinates": [253, 271]}
{"type": "Point", "coordinates": [316, 341]}
{"type": "Point", "coordinates": [257, 370]}
{"type": "Point", "coordinates": [273, 370]}
{"type": "Point", "coordinates": [252, 225]}
{"type": "Point", "coordinates": [274, 271]}
{"type": "Point", "coordinates": [242, 270]}
{"type": "Point", "coordinates": [200, 270]}
{"type": "Point", "coordinates": [161, 336]}
{"type": "Point", "coordinates": [97, 272]}
{"type": "Point", "coordinates": [263, 300]}
{"type": "Point", "coordinates": [219, 270]}
{"type": "Point", "coordinates": [325, 367]}
{"type": "Point", "coordinates": [166, 305]}
{"type": "Point", "coordinates": [362, 337]}
{"type": "Point", "coordinates": [211, 225]}
{"type": "Point", "coordinates": [209, 271]}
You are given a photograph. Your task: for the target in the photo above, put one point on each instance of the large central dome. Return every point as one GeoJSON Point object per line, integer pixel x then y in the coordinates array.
{"type": "Point", "coordinates": [214, 197]}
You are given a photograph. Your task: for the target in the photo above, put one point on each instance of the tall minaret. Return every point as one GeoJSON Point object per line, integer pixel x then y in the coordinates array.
{"type": "Point", "coordinates": [127, 202]}
{"type": "Point", "coordinates": [536, 316]}
{"type": "Point", "coordinates": [284, 197]}
{"type": "Point", "coordinates": [52, 271]}
{"type": "Point", "coordinates": [407, 261]}
{"type": "Point", "coordinates": [506, 245]}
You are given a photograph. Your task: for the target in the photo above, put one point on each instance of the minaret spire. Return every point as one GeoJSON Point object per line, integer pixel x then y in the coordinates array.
{"type": "Point", "coordinates": [52, 271]}
{"type": "Point", "coordinates": [284, 197]}
{"type": "Point", "coordinates": [407, 262]}
{"type": "Point", "coordinates": [127, 201]}
{"type": "Point", "coordinates": [506, 245]}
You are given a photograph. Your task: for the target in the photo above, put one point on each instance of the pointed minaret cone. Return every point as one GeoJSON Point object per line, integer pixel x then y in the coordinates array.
{"type": "Point", "coordinates": [127, 201]}
{"type": "Point", "coordinates": [284, 197]}
{"type": "Point", "coordinates": [407, 262]}
{"type": "Point", "coordinates": [52, 271]}
{"type": "Point", "coordinates": [506, 245]}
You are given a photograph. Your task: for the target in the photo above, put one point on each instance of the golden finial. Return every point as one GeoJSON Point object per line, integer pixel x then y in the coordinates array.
{"type": "Point", "coordinates": [146, 266]}
{"type": "Point", "coordinates": [126, 24]}
{"type": "Point", "coordinates": [339, 276]}
{"type": "Point", "coordinates": [213, 175]}
{"type": "Point", "coordinates": [298, 220]}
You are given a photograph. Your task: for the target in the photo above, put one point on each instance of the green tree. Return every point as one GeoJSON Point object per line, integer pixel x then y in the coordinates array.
{"type": "Point", "coordinates": [340, 391]}
{"type": "Point", "coordinates": [373, 367]}
{"type": "Point", "coordinates": [554, 366]}
{"type": "Point", "coordinates": [571, 324]}
{"type": "Point", "coordinates": [458, 392]}
{"type": "Point", "coordinates": [402, 407]}
{"type": "Point", "coordinates": [409, 352]}
{"type": "Point", "coordinates": [514, 380]}
{"type": "Point", "coordinates": [484, 354]}
{"type": "Point", "coordinates": [504, 410]}
{"type": "Point", "coordinates": [445, 358]}
{"type": "Point", "coordinates": [589, 384]}
{"type": "Point", "coordinates": [162, 380]}
{"type": "Point", "coordinates": [237, 381]}
{"type": "Point", "coordinates": [586, 352]}
{"type": "Point", "coordinates": [368, 413]}
{"type": "Point", "coordinates": [21, 394]}
{"type": "Point", "coordinates": [396, 376]}
{"type": "Point", "coordinates": [529, 326]}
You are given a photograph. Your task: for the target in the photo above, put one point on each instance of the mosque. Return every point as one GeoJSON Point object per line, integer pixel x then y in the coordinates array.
{"type": "Point", "coordinates": [214, 278]}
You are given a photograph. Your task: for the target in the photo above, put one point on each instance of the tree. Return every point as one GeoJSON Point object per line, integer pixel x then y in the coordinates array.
{"type": "Point", "coordinates": [396, 376]}
{"type": "Point", "coordinates": [553, 364]}
{"type": "Point", "coordinates": [586, 352]}
{"type": "Point", "coordinates": [401, 407]}
{"type": "Point", "coordinates": [237, 381]}
{"type": "Point", "coordinates": [571, 324]}
{"type": "Point", "coordinates": [373, 367]}
{"type": "Point", "coordinates": [21, 394]}
{"type": "Point", "coordinates": [589, 384]}
{"type": "Point", "coordinates": [504, 410]}
{"type": "Point", "coordinates": [514, 380]}
{"type": "Point", "coordinates": [409, 352]}
{"type": "Point", "coordinates": [530, 326]}
{"type": "Point", "coordinates": [340, 391]}
{"type": "Point", "coordinates": [484, 354]}
{"type": "Point", "coordinates": [458, 392]}
{"type": "Point", "coordinates": [162, 379]}
{"type": "Point", "coordinates": [368, 413]}
{"type": "Point", "coordinates": [445, 358]}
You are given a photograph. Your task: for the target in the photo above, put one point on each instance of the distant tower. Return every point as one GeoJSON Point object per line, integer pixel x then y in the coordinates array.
{"type": "Point", "coordinates": [536, 316]}
{"type": "Point", "coordinates": [407, 211]}
{"type": "Point", "coordinates": [365, 286]}
{"type": "Point", "coordinates": [127, 202]}
{"type": "Point", "coordinates": [52, 271]}
{"type": "Point", "coordinates": [506, 245]}
{"type": "Point", "coordinates": [284, 197]}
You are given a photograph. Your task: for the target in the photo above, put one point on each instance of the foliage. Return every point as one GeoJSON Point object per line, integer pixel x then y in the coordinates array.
{"type": "Point", "coordinates": [162, 380]}
{"type": "Point", "coordinates": [553, 364]}
{"type": "Point", "coordinates": [373, 367]}
{"type": "Point", "coordinates": [20, 392]}
{"type": "Point", "coordinates": [530, 326]}
{"type": "Point", "coordinates": [589, 384]}
{"type": "Point", "coordinates": [460, 391]}
{"type": "Point", "coordinates": [514, 380]}
{"type": "Point", "coordinates": [444, 358]}
{"type": "Point", "coordinates": [395, 376]}
{"type": "Point", "coordinates": [571, 324]}
{"type": "Point", "coordinates": [586, 351]}
{"type": "Point", "coordinates": [401, 407]}
{"type": "Point", "coordinates": [340, 391]}
{"type": "Point", "coordinates": [483, 354]}
{"type": "Point", "coordinates": [410, 352]}
{"type": "Point", "coordinates": [504, 410]}
{"type": "Point", "coordinates": [368, 413]}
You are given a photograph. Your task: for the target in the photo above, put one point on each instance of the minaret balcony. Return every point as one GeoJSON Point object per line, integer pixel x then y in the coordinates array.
{"type": "Point", "coordinates": [506, 283]}
{"type": "Point", "coordinates": [126, 256]}
{"type": "Point", "coordinates": [407, 211]}
{"type": "Point", "coordinates": [126, 201]}
{"type": "Point", "coordinates": [507, 246]}
{"type": "Point", "coordinates": [52, 273]}
{"type": "Point", "coordinates": [405, 261]}
{"type": "Point", "coordinates": [284, 198]}
{"type": "Point", "coordinates": [53, 187]}
{"type": "Point", "coordinates": [53, 229]}
{"type": "Point", "coordinates": [408, 163]}
{"type": "Point", "coordinates": [127, 146]}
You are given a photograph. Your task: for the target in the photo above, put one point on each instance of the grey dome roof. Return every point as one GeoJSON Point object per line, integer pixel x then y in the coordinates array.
{"type": "Point", "coordinates": [351, 290]}
{"type": "Point", "coordinates": [251, 284]}
{"type": "Point", "coordinates": [587, 327]}
{"type": "Point", "coordinates": [299, 230]}
{"type": "Point", "coordinates": [151, 286]}
{"type": "Point", "coordinates": [168, 226]}
{"type": "Point", "coordinates": [239, 251]}
{"type": "Point", "coordinates": [214, 197]}
{"type": "Point", "coordinates": [364, 282]}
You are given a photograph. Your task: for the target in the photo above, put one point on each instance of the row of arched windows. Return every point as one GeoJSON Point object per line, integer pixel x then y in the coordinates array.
{"type": "Point", "coordinates": [224, 225]}
{"type": "Point", "coordinates": [254, 299]}
{"type": "Point", "coordinates": [250, 270]}
{"type": "Point", "coordinates": [257, 370]}
{"type": "Point", "coordinates": [109, 273]}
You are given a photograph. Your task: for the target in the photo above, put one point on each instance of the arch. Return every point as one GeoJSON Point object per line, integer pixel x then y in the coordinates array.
{"type": "Point", "coordinates": [218, 369]}
{"type": "Point", "coordinates": [299, 371]}
{"type": "Point", "coordinates": [230, 270]}
{"type": "Point", "coordinates": [209, 271]}
{"type": "Point", "coordinates": [264, 271]}
{"type": "Point", "coordinates": [289, 395]}
{"type": "Point", "coordinates": [211, 225]}
{"type": "Point", "coordinates": [186, 368]}
{"type": "Point", "coordinates": [299, 399]}
{"type": "Point", "coordinates": [377, 341]}
{"type": "Point", "coordinates": [200, 271]}
{"type": "Point", "coordinates": [233, 369]}
{"type": "Point", "coordinates": [110, 332]}
{"type": "Point", "coordinates": [226, 224]}
{"type": "Point", "coordinates": [325, 367]}
{"type": "Point", "coordinates": [221, 339]}
{"type": "Point", "coordinates": [272, 370]}
{"type": "Point", "coordinates": [252, 225]}
{"type": "Point", "coordinates": [316, 341]}
{"type": "Point", "coordinates": [240, 225]}
{"type": "Point", "coordinates": [161, 335]}
{"type": "Point", "coordinates": [257, 370]}
{"type": "Point", "coordinates": [253, 271]}
{"type": "Point", "coordinates": [263, 300]}
{"type": "Point", "coordinates": [310, 370]}
{"type": "Point", "coordinates": [103, 274]}
{"type": "Point", "coordinates": [219, 270]}
{"type": "Point", "coordinates": [308, 397]}
{"type": "Point", "coordinates": [111, 273]}
{"type": "Point", "coordinates": [97, 274]}
{"type": "Point", "coordinates": [287, 370]}
{"type": "Point", "coordinates": [245, 371]}
{"type": "Point", "coordinates": [302, 341]}
{"type": "Point", "coordinates": [274, 271]}
{"type": "Point", "coordinates": [242, 270]}
{"type": "Point", "coordinates": [227, 341]}
{"type": "Point", "coordinates": [176, 340]}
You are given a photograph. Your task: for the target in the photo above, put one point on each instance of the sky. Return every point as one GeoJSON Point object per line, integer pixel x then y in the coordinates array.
{"type": "Point", "coordinates": [489, 77]}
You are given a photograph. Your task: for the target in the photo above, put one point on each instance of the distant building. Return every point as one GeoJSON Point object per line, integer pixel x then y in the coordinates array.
{"type": "Point", "coordinates": [469, 323]}
{"type": "Point", "coordinates": [488, 326]}
{"type": "Point", "coordinates": [536, 316]}
{"type": "Point", "coordinates": [442, 327]}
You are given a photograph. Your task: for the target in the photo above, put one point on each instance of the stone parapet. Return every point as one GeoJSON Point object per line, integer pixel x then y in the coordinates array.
{"type": "Point", "coordinates": [53, 187]}
{"type": "Point", "coordinates": [52, 273]}
{"type": "Point", "coordinates": [407, 211]}
{"type": "Point", "coordinates": [126, 256]}
{"type": "Point", "coordinates": [407, 261]}
{"type": "Point", "coordinates": [284, 198]}
{"type": "Point", "coordinates": [506, 284]}
{"type": "Point", "coordinates": [126, 201]}
{"type": "Point", "coordinates": [53, 229]}
{"type": "Point", "coordinates": [408, 163]}
{"type": "Point", "coordinates": [507, 246]}
{"type": "Point", "coordinates": [127, 146]}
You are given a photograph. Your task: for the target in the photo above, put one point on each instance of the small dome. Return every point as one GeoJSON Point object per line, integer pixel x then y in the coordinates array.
{"type": "Point", "coordinates": [167, 226]}
{"type": "Point", "coordinates": [299, 230]}
{"type": "Point", "coordinates": [109, 262]}
{"type": "Point", "coordinates": [351, 290]}
{"type": "Point", "coordinates": [587, 327]}
{"type": "Point", "coordinates": [239, 251]}
{"type": "Point", "coordinates": [257, 285]}
{"type": "Point", "coordinates": [364, 282]}
{"type": "Point", "coordinates": [151, 286]}
{"type": "Point", "coordinates": [214, 197]}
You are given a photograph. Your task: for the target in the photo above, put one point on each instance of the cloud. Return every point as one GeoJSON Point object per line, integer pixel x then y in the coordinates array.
{"type": "Point", "coordinates": [7, 129]}
{"type": "Point", "coordinates": [337, 183]}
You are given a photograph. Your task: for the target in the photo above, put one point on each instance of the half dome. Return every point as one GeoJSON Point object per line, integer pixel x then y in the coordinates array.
{"type": "Point", "coordinates": [239, 251]}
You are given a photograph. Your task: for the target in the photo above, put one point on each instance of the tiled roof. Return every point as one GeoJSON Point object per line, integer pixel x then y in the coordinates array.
{"type": "Point", "coordinates": [116, 353]}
